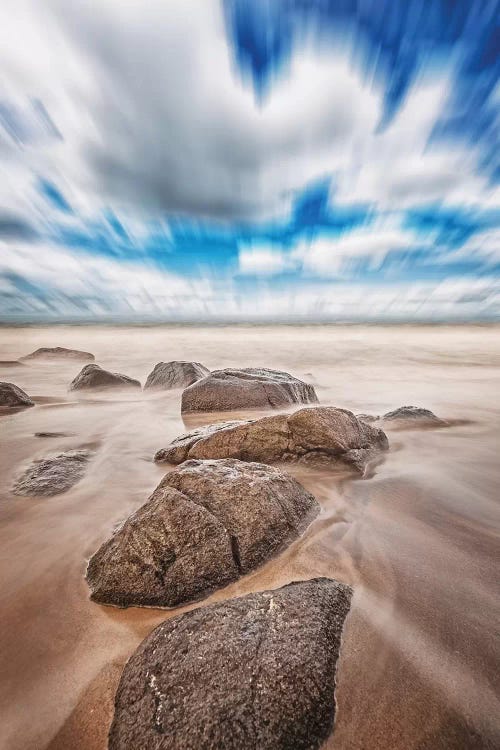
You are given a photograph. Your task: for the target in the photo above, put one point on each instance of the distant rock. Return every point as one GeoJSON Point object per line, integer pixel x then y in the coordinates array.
{"type": "Point", "coordinates": [13, 396]}
{"type": "Point", "coordinates": [53, 434]}
{"type": "Point", "coordinates": [248, 388]}
{"type": "Point", "coordinates": [59, 352]}
{"type": "Point", "coordinates": [54, 474]}
{"type": "Point", "coordinates": [369, 418]}
{"type": "Point", "coordinates": [8, 363]}
{"type": "Point", "coordinates": [206, 524]}
{"type": "Point", "coordinates": [413, 414]}
{"type": "Point", "coordinates": [317, 434]}
{"type": "Point", "coordinates": [93, 376]}
{"type": "Point", "coordinates": [176, 374]}
{"type": "Point", "coordinates": [253, 672]}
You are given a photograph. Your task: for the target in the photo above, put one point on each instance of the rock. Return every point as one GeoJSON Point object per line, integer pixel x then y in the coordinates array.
{"type": "Point", "coordinates": [11, 395]}
{"type": "Point", "coordinates": [54, 474]}
{"type": "Point", "coordinates": [249, 388]}
{"type": "Point", "coordinates": [206, 524]}
{"type": "Point", "coordinates": [413, 414]}
{"type": "Point", "coordinates": [369, 418]}
{"type": "Point", "coordinates": [54, 434]}
{"type": "Point", "coordinates": [59, 352]}
{"type": "Point", "coordinates": [321, 433]}
{"type": "Point", "coordinates": [167, 375]}
{"type": "Point", "coordinates": [93, 376]}
{"type": "Point", "coordinates": [11, 363]}
{"type": "Point", "coordinates": [253, 672]}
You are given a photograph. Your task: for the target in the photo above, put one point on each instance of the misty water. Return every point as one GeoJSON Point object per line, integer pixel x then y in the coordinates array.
{"type": "Point", "coordinates": [418, 539]}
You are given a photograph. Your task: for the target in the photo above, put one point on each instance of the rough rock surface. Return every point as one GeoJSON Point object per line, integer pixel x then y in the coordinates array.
{"type": "Point", "coordinates": [321, 433]}
{"type": "Point", "coordinates": [254, 672]}
{"type": "Point", "coordinates": [54, 474]}
{"type": "Point", "coordinates": [176, 374]}
{"type": "Point", "coordinates": [249, 388]}
{"type": "Point", "coordinates": [59, 352]}
{"type": "Point", "coordinates": [413, 414]}
{"type": "Point", "coordinates": [207, 523]}
{"type": "Point", "coordinates": [93, 376]}
{"type": "Point", "coordinates": [12, 395]}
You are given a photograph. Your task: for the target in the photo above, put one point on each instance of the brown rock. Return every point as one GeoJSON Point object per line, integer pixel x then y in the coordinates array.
{"type": "Point", "coordinates": [13, 396]}
{"type": "Point", "coordinates": [413, 415]}
{"type": "Point", "coordinates": [54, 474]}
{"type": "Point", "coordinates": [321, 433]}
{"type": "Point", "coordinates": [248, 388]}
{"type": "Point", "coordinates": [59, 352]}
{"type": "Point", "coordinates": [176, 374]}
{"type": "Point", "coordinates": [94, 377]}
{"type": "Point", "coordinates": [254, 672]}
{"type": "Point", "coordinates": [207, 523]}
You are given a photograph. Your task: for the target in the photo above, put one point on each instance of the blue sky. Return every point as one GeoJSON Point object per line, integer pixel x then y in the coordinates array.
{"type": "Point", "coordinates": [249, 160]}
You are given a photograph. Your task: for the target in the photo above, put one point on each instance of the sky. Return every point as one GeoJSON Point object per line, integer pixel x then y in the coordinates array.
{"type": "Point", "coordinates": [249, 160]}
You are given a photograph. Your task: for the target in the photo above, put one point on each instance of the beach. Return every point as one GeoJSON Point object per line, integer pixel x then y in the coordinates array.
{"type": "Point", "coordinates": [417, 538]}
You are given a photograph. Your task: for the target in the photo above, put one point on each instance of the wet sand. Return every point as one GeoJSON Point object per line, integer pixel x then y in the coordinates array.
{"type": "Point", "coordinates": [419, 540]}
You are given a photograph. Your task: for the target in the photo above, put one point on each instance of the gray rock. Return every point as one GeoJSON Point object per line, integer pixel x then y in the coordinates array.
{"type": "Point", "coordinates": [8, 363]}
{"type": "Point", "coordinates": [53, 434]}
{"type": "Point", "coordinates": [316, 434]}
{"type": "Point", "coordinates": [94, 377]}
{"type": "Point", "coordinates": [176, 374]}
{"type": "Point", "coordinates": [413, 414]}
{"type": "Point", "coordinates": [248, 388]}
{"type": "Point", "coordinates": [13, 396]}
{"type": "Point", "coordinates": [369, 418]}
{"type": "Point", "coordinates": [253, 672]}
{"type": "Point", "coordinates": [59, 352]}
{"type": "Point", "coordinates": [207, 523]}
{"type": "Point", "coordinates": [54, 474]}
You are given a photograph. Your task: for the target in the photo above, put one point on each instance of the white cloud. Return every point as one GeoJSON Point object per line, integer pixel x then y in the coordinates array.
{"type": "Point", "coordinates": [260, 260]}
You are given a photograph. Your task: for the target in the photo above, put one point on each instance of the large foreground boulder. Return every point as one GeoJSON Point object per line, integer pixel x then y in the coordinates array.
{"type": "Point", "coordinates": [318, 434]}
{"type": "Point", "coordinates": [54, 474]}
{"type": "Point", "coordinates": [249, 388]}
{"type": "Point", "coordinates": [207, 523]}
{"type": "Point", "coordinates": [59, 352]}
{"type": "Point", "coordinates": [13, 396]}
{"type": "Point", "coordinates": [176, 374]}
{"type": "Point", "coordinates": [254, 672]}
{"type": "Point", "coordinates": [94, 377]}
{"type": "Point", "coordinates": [412, 415]}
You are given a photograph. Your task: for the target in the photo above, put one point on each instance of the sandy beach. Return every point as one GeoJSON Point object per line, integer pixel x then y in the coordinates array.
{"type": "Point", "coordinates": [418, 539]}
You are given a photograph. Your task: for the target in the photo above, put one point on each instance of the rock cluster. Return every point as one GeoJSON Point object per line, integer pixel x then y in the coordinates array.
{"type": "Point", "coordinates": [254, 672]}
{"type": "Point", "coordinates": [94, 377]}
{"type": "Point", "coordinates": [13, 396]}
{"type": "Point", "coordinates": [53, 475]}
{"type": "Point", "coordinates": [176, 374]}
{"type": "Point", "coordinates": [207, 523]}
{"type": "Point", "coordinates": [316, 434]}
{"type": "Point", "coordinates": [248, 388]}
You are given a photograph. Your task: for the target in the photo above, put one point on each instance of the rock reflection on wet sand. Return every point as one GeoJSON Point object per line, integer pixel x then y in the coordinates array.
{"type": "Point", "coordinates": [418, 539]}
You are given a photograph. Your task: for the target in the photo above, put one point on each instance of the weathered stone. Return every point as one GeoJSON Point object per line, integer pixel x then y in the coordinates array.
{"type": "Point", "coordinates": [321, 433]}
{"type": "Point", "coordinates": [94, 377]}
{"type": "Point", "coordinates": [13, 396]}
{"type": "Point", "coordinates": [248, 388]}
{"type": "Point", "coordinates": [176, 374]}
{"type": "Point", "coordinates": [53, 475]}
{"type": "Point", "coordinates": [253, 672]}
{"type": "Point", "coordinates": [367, 418]}
{"type": "Point", "coordinates": [413, 414]}
{"type": "Point", "coordinates": [59, 352]}
{"type": "Point", "coordinates": [207, 523]}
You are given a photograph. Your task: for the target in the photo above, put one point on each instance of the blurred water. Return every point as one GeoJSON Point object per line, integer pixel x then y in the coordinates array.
{"type": "Point", "coordinates": [419, 540]}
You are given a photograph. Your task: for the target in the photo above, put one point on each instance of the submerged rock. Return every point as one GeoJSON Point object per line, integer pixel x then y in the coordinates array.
{"type": "Point", "coordinates": [59, 352]}
{"type": "Point", "coordinates": [13, 396]}
{"type": "Point", "coordinates": [413, 414]}
{"type": "Point", "coordinates": [207, 523]}
{"type": "Point", "coordinates": [54, 474]}
{"type": "Point", "coordinates": [370, 418]}
{"type": "Point", "coordinates": [253, 672]}
{"type": "Point", "coordinates": [93, 376]}
{"type": "Point", "coordinates": [176, 374]}
{"type": "Point", "coordinates": [248, 388]}
{"type": "Point", "coordinates": [53, 434]}
{"type": "Point", "coordinates": [321, 433]}
{"type": "Point", "coordinates": [11, 363]}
